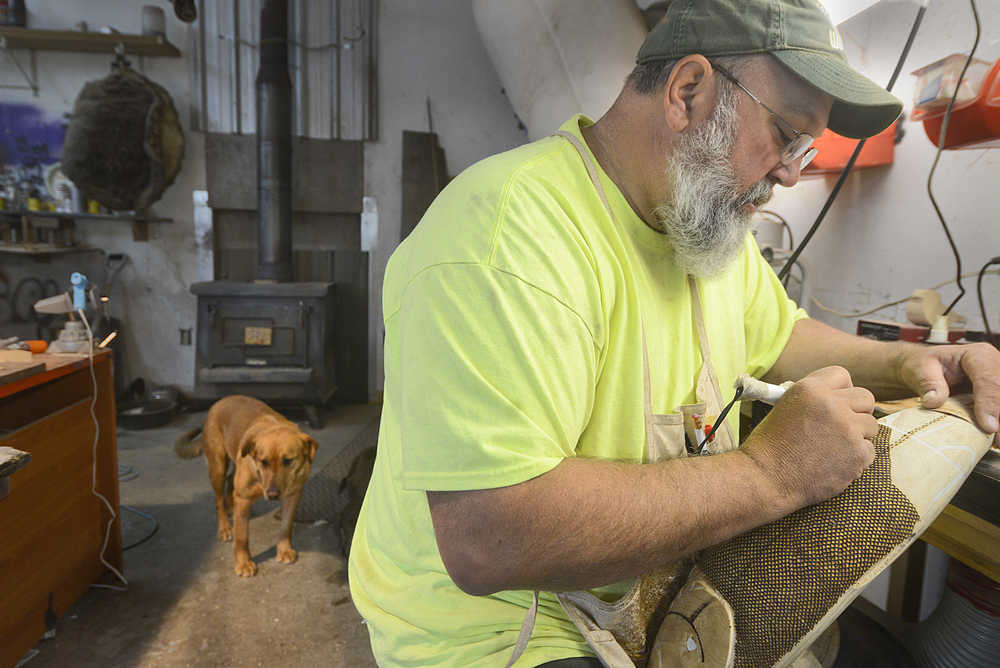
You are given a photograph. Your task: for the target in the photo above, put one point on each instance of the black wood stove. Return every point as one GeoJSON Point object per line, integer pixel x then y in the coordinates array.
{"type": "Point", "coordinates": [272, 339]}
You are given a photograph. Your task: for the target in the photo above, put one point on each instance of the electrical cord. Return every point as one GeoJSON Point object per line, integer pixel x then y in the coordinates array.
{"type": "Point", "coordinates": [857, 150]}
{"type": "Point", "coordinates": [93, 488]}
{"type": "Point", "coordinates": [125, 474]}
{"type": "Point", "coordinates": [826, 308]}
{"type": "Point", "coordinates": [784, 223]}
{"type": "Point", "coordinates": [152, 532]}
{"type": "Point", "coordinates": [898, 301]}
{"type": "Point", "coordinates": [979, 292]}
{"type": "Point", "coordinates": [937, 156]}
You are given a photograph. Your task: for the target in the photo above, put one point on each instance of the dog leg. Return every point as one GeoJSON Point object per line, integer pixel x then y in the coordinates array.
{"type": "Point", "coordinates": [286, 554]}
{"type": "Point", "coordinates": [245, 566]}
{"type": "Point", "coordinates": [229, 488]}
{"type": "Point", "coordinates": [223, 503]}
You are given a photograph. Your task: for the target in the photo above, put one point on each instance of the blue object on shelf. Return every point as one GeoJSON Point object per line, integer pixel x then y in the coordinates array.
{"type": "Point", "coordinates": [79, 282]}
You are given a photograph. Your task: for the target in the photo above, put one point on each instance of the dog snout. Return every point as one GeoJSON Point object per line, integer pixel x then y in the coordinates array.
{"type": "Point", "coordinates": [273, 493]}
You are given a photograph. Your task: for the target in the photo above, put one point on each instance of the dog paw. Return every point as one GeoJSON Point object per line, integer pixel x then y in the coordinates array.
{"type": "Point", "coordinates": [287, 555]}
{"type": "Point", "coordinates": [246, 568]}
{"type": "Point", "coordinates": [225, 534]}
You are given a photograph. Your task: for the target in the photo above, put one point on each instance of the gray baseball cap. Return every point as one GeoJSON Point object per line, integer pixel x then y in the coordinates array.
{"type": "Point", "coordinates": [799, 33]}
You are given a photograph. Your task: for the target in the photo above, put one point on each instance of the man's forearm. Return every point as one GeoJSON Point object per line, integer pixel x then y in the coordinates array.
{"type": "Point", "coordinates": [589, 523]}
{"type": "Point", "coordinates": [874, 365]}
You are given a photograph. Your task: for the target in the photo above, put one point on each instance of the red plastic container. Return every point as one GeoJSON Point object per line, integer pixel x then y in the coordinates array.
{"type": "Point", "coordinates": [975, 124]}
{"type": "Point", "coordinates": [833, 151]}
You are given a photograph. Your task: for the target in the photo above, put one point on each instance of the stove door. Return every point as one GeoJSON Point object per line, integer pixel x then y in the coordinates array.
{"type": "Point", "coordinates": [259, 332]}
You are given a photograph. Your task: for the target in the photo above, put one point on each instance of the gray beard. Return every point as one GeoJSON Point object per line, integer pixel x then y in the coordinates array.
{"type": "Point", "coordinates": [703, 220]}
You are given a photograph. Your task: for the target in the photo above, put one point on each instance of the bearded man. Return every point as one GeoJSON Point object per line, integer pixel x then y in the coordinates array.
{"type": "Point", "coordinates": [562, 306]}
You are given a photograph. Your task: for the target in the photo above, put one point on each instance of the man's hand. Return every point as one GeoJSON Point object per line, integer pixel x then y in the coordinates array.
{"type": "Point", "coordinates": [933, 371]}
{"type": "Point", "coordinates": [817, 439]}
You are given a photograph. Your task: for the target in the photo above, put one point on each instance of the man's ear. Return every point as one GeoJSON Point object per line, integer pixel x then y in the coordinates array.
{"type": "Point", "coordinates": [310, 446]}
{"type": "Point", "coordinates": [247, 445]}
{"type": "Point", "coordinates": [689, 94]}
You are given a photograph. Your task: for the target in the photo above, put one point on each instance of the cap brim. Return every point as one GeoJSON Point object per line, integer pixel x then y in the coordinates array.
{"type": "Point", "coordinates": [861, 108]}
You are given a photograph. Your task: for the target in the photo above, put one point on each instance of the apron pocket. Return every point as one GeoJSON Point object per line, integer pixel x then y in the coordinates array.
{"type": "Point", "coordinates": [665, 437]}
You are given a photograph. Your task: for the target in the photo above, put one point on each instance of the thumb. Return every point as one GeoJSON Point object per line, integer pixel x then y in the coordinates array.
{"type": "Point", "coordinates": [930, 383]}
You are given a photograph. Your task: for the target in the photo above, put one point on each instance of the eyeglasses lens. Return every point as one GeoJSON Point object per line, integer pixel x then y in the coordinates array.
{"type": "Point", "coordinates": [797, 148]}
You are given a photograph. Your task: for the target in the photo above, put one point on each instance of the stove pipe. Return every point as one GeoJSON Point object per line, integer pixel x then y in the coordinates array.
{"type": "Point", "coordinates": [274, 146]}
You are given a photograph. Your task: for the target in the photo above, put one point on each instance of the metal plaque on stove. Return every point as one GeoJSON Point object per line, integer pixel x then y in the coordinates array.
{"type": "Point", "coordinates": [257, 336]}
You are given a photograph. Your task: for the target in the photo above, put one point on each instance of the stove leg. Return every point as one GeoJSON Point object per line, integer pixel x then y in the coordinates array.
{"type": "Point", "coordinates": [313, 416]}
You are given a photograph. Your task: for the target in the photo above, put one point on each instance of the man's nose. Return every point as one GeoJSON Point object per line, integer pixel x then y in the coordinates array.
{"type": "Point", "coordinates": [787, 175]}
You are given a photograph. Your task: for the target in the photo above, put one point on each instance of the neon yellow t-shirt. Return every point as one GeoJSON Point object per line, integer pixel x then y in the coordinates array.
{"type": "Point", "coordinates": [513, 340]}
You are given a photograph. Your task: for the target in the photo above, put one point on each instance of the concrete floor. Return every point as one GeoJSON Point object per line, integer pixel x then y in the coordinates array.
{"type": "Point", "coordinates": [184, 605]}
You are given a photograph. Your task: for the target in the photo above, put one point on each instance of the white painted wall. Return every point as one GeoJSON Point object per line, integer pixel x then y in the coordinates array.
{"type": "Point", "coordinates": [427, 49]}
{"type": "Point", "coordinates": [881, 240]}
{"type": "Point", "coordinates": [430, 49]}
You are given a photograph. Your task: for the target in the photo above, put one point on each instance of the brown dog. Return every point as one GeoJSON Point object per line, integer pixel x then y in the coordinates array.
{"type": "Point", "coordinates": [271, 456]}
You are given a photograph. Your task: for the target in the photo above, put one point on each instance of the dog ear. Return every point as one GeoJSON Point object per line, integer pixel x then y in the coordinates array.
{"type": "Point", "coordinates": [310, 446]}
{"type": "Point", "coordinates": [247, 445]}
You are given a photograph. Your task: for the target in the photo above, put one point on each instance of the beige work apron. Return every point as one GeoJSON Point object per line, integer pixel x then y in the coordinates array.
{"type": "Point", "coordinates": [617, 631]}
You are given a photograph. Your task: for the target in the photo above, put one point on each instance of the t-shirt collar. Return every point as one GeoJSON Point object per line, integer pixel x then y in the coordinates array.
{"type": "Point", "coordinates": [624, 214]}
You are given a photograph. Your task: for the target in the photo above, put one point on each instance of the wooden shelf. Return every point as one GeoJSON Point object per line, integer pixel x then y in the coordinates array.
{"type": "Point", "coordinates": [86, 42]}
{"type": "Point", "coordinates": [140, 223]}
{"type": "Point", "coordinates": [41, 249]}
{"type": "Point", "coordinates": [123, 217]}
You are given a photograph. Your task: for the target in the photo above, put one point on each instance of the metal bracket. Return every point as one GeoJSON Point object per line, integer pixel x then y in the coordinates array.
{"type": "Point", "coordinates": [31, 80]}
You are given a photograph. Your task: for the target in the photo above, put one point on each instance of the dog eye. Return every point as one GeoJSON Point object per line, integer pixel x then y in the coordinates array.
{"type": "Point", "coordinates": [287, 461]}
{"type": "Point", "coordinates": [263, 463]}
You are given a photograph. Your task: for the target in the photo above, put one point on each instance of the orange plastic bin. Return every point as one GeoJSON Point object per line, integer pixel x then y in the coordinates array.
{"type": "Point", "coordinates": [975, 124]}
{"type": "Point", "coordinates": [833, 151]}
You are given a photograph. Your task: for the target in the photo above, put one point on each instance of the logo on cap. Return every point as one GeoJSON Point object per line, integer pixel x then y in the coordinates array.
{"type": "Point", "coordinates": [835, 39]}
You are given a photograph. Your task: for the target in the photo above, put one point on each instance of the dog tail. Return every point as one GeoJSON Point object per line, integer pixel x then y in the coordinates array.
{"type": "Point", "coordinates": [188, 446]}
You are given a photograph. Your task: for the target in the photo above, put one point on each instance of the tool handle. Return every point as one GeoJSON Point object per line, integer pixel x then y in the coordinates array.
{"type": "Point", "coordinates": [758, 390]}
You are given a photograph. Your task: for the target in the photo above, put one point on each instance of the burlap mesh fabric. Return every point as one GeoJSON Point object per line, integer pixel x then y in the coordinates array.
{"type": "Point", "coordinates": [656, 590]}
{"type": "Point", "coordinates": [782, 578]}
{"type": "Point", "coordinates": [634, 619]}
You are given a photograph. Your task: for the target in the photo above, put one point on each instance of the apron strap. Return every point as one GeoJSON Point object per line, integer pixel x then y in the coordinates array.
{"type": "Point", "coordinates": [699, 320]}
{"type": "Point", "coordinates": [647, 402]}
{"type": "Point", "coordinates": [526, 628]}
{"type": "Point", "coordinates": [609, 652]}
{"type": "Point", "coordinates": [592, 171]}
{"type": "Point", "coordinates": [591, 168]}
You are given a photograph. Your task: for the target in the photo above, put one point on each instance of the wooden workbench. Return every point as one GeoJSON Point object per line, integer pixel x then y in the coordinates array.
{"type": "Point", "coordinates": [51, 526]}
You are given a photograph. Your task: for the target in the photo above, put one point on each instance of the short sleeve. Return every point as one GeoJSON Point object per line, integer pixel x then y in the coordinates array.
{"type": "Point", "coordinates": [495, 378]}
{"type": "Point", "coordinates": [769, 315]}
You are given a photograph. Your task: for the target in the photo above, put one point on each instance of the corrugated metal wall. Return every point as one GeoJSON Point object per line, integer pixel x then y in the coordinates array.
{"type": "Point", "coordinates": [331, 63]}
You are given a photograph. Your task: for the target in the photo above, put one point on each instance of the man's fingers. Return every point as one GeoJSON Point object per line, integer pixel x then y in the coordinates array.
{"type": "Point", "coordinates": [982, 366]}
{"type": "Point", "coordinates": [859, 399]}
{"type": "Point", "coordinates": [932, 387]}
{"type": "Point", "coordinates": [835, 377]}
{"type": "Point", "coordinates": [870, 429]}
{"type": "Point", "coordinates": [987, 407]}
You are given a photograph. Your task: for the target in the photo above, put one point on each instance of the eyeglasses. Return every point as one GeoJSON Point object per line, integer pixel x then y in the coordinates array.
{"type": "Point", "coordinates": [798, 147]}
